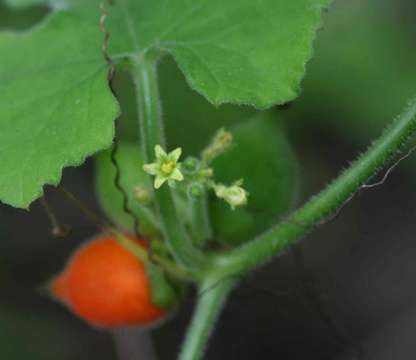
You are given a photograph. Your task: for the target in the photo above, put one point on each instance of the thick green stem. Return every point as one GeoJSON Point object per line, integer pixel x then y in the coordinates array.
{"type": "Point", "coordinates": [213, 292]}
{"type": "Point", "coordinates": [326, 203]}
{"type": "Point", "coordinates": [151, 130]}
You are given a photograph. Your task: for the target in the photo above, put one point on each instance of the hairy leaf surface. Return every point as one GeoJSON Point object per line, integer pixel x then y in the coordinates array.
{"type": "Point", "coordinates": [55, 105]}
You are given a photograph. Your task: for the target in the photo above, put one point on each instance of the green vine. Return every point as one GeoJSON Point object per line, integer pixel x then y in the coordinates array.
{"type": "Point", "coordinates": [328, 202]}
{"type": "Point", "coordinates": [212, 295]}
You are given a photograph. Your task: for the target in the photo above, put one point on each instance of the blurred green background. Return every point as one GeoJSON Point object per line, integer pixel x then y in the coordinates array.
{"type": "Point", "coordinates": [361, 76]}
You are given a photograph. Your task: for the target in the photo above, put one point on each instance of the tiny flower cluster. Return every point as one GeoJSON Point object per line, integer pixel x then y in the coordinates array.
{"type": "Point", "coordinates": [196, 173]}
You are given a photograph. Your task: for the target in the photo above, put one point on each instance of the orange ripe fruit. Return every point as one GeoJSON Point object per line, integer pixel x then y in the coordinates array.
{"type": "Point", "coordinates": [107, 286]}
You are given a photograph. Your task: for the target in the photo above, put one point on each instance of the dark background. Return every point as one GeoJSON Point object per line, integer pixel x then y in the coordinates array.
{"type": "Point", "coordinates": [354, 288]}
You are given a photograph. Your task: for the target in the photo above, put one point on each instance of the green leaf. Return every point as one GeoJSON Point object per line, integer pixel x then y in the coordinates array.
{"type": "Point", "coordinates": [263, 158]}
{"type": "Point", "coordinates": [239, 51]}
{"type": "Point", "coordinates": [130, 161]}
{"type": "Point", "coordinates": [55, 105]}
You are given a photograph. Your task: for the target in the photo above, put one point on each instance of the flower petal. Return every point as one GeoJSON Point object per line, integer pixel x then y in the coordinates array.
{"type": "Point", "coordinates": [151, 169]}
{"type": "Point", "coordinates": [175, 154]}
{"type": "Point", "coordinates": [159, 181]}
{"type": "Point", "coordinates": [176, 175]}
{"type": "Point", "coordinates": [159, 152]}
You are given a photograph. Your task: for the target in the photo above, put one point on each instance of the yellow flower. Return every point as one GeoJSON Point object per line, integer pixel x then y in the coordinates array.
{"type": "Point", "coordinates": [166, 166]}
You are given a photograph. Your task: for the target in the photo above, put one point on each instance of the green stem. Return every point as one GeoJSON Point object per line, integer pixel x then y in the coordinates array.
{"type": "Point", "coordinates": [151, 130]}
{"type": "Point", "coordinates": [326, 203]}
{"type": "Point", "coordinates": [201, 224]}
{"type": "Point", "coordinates": [213, 292]}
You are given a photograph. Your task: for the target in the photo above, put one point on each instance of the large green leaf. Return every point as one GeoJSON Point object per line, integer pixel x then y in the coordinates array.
{"type": "Point", "coordinates": [263, 158]}
{"type": "Point", "coordinates": [240, 51]}
{"type": "Point", "coordinates": [55, 105]}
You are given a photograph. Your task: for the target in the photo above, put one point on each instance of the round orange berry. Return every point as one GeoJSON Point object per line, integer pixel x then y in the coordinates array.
{"type": "Point", "coordinates": [107, 286]}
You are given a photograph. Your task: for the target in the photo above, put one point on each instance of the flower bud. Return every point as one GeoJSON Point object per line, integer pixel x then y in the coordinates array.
{"type": "Point", "coordinates": [190, 165]}
{"type": "Point", "coordinates": [234, 195]}
{"type": "Point", "coordinates": [142, 195]}
{"type": "Point", "coordinates": [195, 190]}
{"type": "Point", "coordinates": [221, 142]}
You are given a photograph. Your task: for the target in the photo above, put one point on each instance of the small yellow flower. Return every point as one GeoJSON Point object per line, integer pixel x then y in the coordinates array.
{"type": "Point", "coordinates": [166, 166]}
